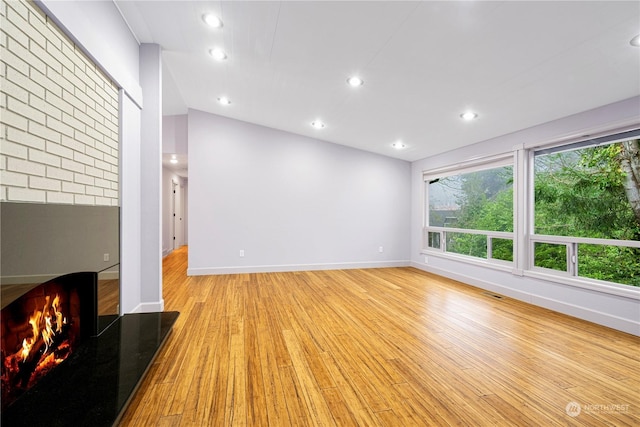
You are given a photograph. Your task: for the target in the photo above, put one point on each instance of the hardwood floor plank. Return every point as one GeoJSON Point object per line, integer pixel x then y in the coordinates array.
{"type": "Point", "coordinates": [319, 413]}
{"type": "Point", "coordinates": [350, 395]}
{"type": "Point", "coordinates": [274, 389]}
{"type": "Point", "coordinates": [371, 389]}
{"type": "Point", "coordinates": [389, 346]}
{"type": "Point", "coordinates": [149, 410]}
{"type": "Point", "coordinates": [236, 407]}
{"type": "Point", "coordinates": [256, 397]}
{"type": "Point", "coordinates": [216, 384]}
{"type": "Point", "coordinates": [339, 410]}
{"type": "Point", "coordinates": [170, 421]}
{"type": "Point", "coordinates": [298, 413]}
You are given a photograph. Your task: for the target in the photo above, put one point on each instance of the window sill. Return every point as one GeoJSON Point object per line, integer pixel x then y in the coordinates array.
{"type": "Point", "coordinates": [626, 291]}
{"type": "Point", "coordinates": [610, 288]}
{"type": "Point", "coordinates": [505, 266]}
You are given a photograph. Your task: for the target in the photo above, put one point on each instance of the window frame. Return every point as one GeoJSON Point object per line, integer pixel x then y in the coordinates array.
{"type": "Point", "coordinates": [485, 163]}
{"type": "Point", "coordinates": [571, 275]}
{"type": "Point", "coordinates": [521, 158]}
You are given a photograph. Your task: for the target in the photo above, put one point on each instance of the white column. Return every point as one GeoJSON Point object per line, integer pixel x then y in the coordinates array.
{"type": "Point", "coordinates": [130, 205]}
{"type": "Point", "coordinates": [151, 179]}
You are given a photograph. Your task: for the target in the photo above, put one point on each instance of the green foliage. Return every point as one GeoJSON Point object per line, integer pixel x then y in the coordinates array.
{"type": "Point", "coordinates": [488, 200]}
{"type": "Point", "coordinates": [549, 255]}
{"type": "Point", "coordinates": [467, 244]}
{"type": "Point", "coordinates": [581, 193]}
{"type": "Point", "coordinates": [503, 249]}
{"type": "Point", "coordinates": [486, 203]}
{"type": "Point", "coordinates": [577, 193]}
{"type": "Point", "coordinates": [611, 263]}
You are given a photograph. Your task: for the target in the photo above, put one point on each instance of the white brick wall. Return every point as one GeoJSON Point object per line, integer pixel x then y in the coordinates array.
{"type": "Point", "coordinates": [58, 115]}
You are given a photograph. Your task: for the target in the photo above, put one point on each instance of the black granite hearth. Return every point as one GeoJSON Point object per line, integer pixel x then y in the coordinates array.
{"type": "Point", "coordinates": [94, 385]}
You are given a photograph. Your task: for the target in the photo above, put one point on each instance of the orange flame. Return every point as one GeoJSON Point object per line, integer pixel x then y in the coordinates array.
{"type": "Point", "coordinates": [43, 324]}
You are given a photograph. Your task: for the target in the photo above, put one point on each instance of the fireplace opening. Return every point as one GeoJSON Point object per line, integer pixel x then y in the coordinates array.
{"type": "Point", "coordinates": [42, 328]}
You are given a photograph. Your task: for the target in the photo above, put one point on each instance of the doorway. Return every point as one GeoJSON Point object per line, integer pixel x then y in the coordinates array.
{"type": "Point", "coordinates": [177, 215]}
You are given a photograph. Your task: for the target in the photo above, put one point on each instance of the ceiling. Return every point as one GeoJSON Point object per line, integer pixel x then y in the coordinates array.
{"type": "Point", "coordinates": [517, 64]}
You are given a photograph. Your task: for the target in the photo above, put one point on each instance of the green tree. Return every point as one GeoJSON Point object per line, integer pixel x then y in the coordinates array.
{"type": "Point", "coordinates": [629, 158]}
{"type": "Point", "coordinates": [486, 203]}
{"type": "Point", "coordinates": [593, 192]}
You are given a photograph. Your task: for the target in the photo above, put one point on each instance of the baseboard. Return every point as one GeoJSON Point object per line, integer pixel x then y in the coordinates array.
{"type": "Point", "coordinates": [294, 267]}
{"type": "Point", "coordinates": [148, 307]}
{"type": "Point", "coordinates": [600, 318]}
{"type": "Point", "coordinates": [151, 307]}
{"type": "Point", "coordinates": [166, 252]}
{"type": "Point", "coordinates": [134, 310]}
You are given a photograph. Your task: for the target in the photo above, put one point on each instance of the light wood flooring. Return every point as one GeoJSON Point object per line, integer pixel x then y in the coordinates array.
{"type": "Point", "coordinates": [383, 347]}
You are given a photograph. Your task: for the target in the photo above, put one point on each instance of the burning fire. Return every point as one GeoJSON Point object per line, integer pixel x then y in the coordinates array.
{"type": "Point", "coordinates": [38, 349]}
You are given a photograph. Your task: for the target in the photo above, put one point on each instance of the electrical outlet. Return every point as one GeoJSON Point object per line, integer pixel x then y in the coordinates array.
{"type": "Point", "coordinates": [426, 260]}
{"type": "Point", "coordinates": [380, 249]}
{"type": "Point", "coordinates": [105, 257]}
{"type": "Point", "coordinates": [241, 253]}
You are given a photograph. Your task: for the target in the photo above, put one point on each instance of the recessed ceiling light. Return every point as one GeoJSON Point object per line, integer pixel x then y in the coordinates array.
{"type": "Point", "coordinates": [635, 41]}
{"type": "Point", "coordinates": [398, 145]}
{"type": "Point", "coordinates": [318, 124]}
{"type": "Point", "coordinates": [212, 20]}
{"type": "Point", "coordinates": [218, 54]}
{"type": "Point", "coordinates": [355, 81]}
{"type": "Point", "coordinates": [469, 115]}
{"type": "Point", "coordinates": [224, 100]}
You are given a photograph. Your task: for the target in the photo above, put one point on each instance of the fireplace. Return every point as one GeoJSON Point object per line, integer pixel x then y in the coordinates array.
{"type": "Point", "coordinates": [94, 357]}
{"type": "Point", "coordinates": [42, 328]}
{"type": "Point", "coordinates": [80, 374]}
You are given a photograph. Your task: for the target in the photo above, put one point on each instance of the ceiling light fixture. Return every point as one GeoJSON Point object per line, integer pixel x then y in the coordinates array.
{"type": "Point", "coordinates": [469, 115]}
{"type": "Point", "coordinates": [173, 160]}
{"type": "Point", "coordinates": [635, 41]}
{"type": "Point", "coordinates": [398, 145]}
{"type": "Point", "coordinates": [355, 81]}
{"type": "Point", "coordinates": [318, 124]}
{"type": "Point", "coordinates": [224, 100]}
{"type": "Point", "coordinates": [212, 20]}
{"type": "Point", "coordinates": [218, 54]}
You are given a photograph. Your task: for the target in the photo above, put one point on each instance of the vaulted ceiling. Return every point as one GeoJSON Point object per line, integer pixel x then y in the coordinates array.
{"type": "Point", "coordinates": [515, 63]}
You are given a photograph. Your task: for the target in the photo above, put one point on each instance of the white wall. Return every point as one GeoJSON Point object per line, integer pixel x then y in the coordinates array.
{"type": "Point", "coordinates": [290, 202]}
{"type": "Point", "coordinates": [60, 146]}
{"type": "Point", "coordinates": [615, 311]}
{"type": "Point", "coordinates": [99, 29]}
{"type": "Point", "coordinates": [174, 134]}
{"type": "Point", "coordinates": [130, 240]}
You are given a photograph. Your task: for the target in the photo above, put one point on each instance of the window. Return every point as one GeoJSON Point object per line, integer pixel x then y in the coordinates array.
{"type": "Point", "coordinates": [589, 192]}
{"type": "Point", "coordinates": [470, 212]}
{"type": "Point", "coordinates": [571, 213]}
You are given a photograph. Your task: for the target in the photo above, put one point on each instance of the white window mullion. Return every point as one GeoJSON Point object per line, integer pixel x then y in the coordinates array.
{"type": "Point", "coordinates": [520, 236]}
